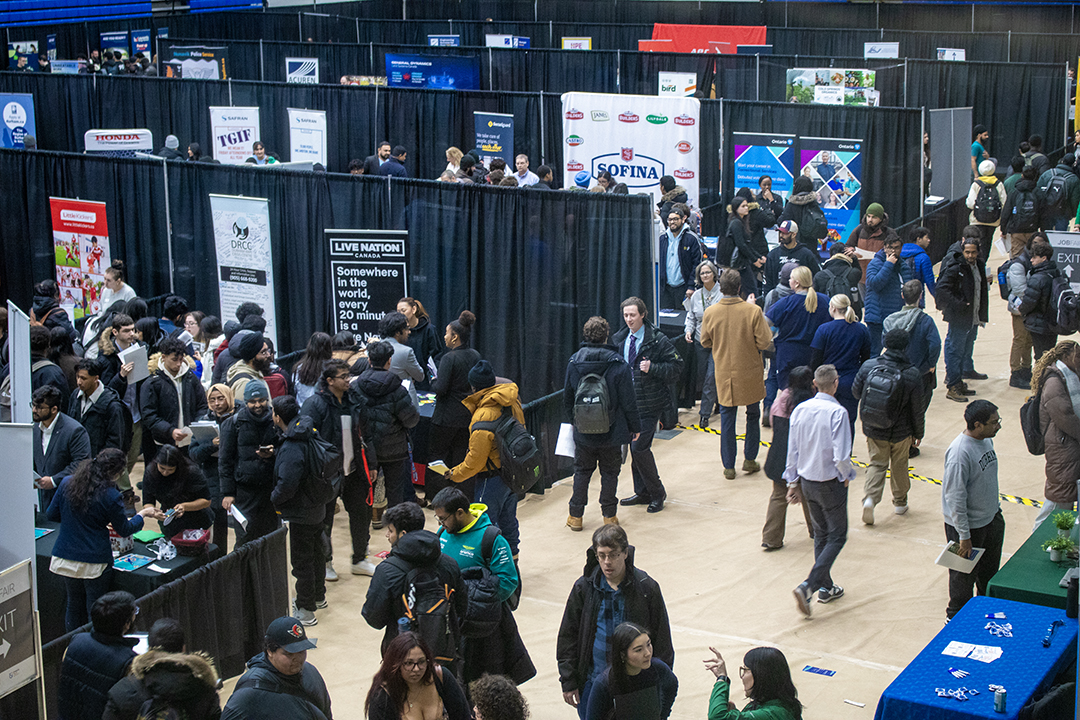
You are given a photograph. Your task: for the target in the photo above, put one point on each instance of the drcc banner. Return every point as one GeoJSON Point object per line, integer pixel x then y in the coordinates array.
{"type": "Point", "coordinates": [245, 260]}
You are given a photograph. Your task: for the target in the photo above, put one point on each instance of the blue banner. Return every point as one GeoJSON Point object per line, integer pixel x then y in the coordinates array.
{"type": "Point", "coordinates": [758, 154]}
{"type": "Point", "coordinates": [18, 118]}
{"type": "Point", "coordinates": [494, 137]}
{"type": "Point", "coordinates": [835, 167]}
{"type": "Point", "coordinates": [140, 42]}
{"type": "Point", "coordinates": [50, 46]}
{"type": "Point", "coordinates": [442, 72]}
{"type": "Point", "coordinates": [115, 41]}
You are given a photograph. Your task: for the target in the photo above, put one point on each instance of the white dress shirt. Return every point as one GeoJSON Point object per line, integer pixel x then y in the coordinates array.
{"type": "Point", "coordinates": [46, 434]}
{"type": "Point", "coordinates": [819, 442]}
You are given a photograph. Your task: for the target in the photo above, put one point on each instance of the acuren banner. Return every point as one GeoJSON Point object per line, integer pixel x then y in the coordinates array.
{"type": "Point", "coordinates": [245, 260]}
{"type": "Point", "coordinates": [81, 250]}
{"type": "Point", "coordinates": [637, 138]}
{"type": "Point", "coordinates": [235, 130]}
{"type": "Point", "coordinates": [724, 39]}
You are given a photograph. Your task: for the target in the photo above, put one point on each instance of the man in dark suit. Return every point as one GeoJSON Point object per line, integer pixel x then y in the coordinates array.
{"type": "Point", "coordinates": [395, 166]}
{"type": "Point", "coordinates": [60, 443]}
{"type": "Point", "coordinates": [372, 163]}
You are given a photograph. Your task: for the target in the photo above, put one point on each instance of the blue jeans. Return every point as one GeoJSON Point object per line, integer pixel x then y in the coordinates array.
{"type": "Point", "coordinates": [583, 702]}
{"type": "Point", "coordinates": [502, 508]}
{"type": "Point", "coordinates": [875, 337]}
{"type": "Point", "coordinates": [728, 450]}
{"type": "Point", "coordinates": [81, 596]}
{"type": "Point", "coordinates": [827, 502]}
{"type": "Point", "coordinates": [771, 384]}
{"type": "Point", "coordinates": [959, 346]}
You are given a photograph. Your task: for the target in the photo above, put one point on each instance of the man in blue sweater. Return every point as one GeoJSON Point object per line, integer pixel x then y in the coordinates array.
{"type": "Point", "coordinates": [920, 264]}
{"type": "Point", "coordinates": [885, 274]}
{"type": "Point", "coordinates": [924, 340]}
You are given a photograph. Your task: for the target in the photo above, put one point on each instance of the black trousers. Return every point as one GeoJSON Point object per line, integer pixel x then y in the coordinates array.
{"type": "Point", "coordinates": [671, 298]}
{"type": "Point", "coordinates": [397, 474]}
{"type": "Point", "coordinates": [308, 567]}
{"type": "Point", "coordinates": [646, 477]}
{"type": "Point", "coordinates": [355, 494]}
{"type": "Point", "coordinates": [449, 444]}
{"type": "Point", "coordinates": [586, 458]}
{"type": "Point", "coordinates": [962, 585]}
{"type": "Point", "coordinates": [261, 515]}
{"type": "Point", "coordinates": [1042, 343]}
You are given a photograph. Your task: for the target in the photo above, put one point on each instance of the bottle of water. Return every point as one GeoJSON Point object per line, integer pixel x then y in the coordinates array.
{"type": "Point", "coordinates": [404, 625]}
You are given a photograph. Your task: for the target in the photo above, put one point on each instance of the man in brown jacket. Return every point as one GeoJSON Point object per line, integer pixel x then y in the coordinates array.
{"type": "Point", "coordinates": [737, 332]}
{"type": "Point", "coordinates": [871, 235]}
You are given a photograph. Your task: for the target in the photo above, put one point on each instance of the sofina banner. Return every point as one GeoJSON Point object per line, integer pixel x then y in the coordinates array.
{"type": "Point", "coordinates": [307, 136]}
{"type": "Point", "coordinates": [494, 137]}
{"type": "Point", "coordinates": [81, 250]}
{"type": "Point", "coordinates": [637, 138]}
{"type": "Point", "coordinates": [758, 154]}
{"type": "Point", "coordinates": [235, 130]}
{"type": "Point", "coordinates": [835, 167]}
{"type": "Point", "coordinates": [18, 118]}
{"type": "Point", "coordinates": [370, 274]}
{"type": "Point", "coordinates": [245, 261]}
{"type": "Point", "coordinates": [442, 72]}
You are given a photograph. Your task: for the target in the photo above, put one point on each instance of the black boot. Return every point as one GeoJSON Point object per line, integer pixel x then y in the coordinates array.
{"type": "Point", "coordinates": [1017, 380]}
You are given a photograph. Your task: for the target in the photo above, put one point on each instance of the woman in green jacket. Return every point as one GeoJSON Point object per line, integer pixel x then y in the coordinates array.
{"type": "Point", "coordinates": [766, 681]}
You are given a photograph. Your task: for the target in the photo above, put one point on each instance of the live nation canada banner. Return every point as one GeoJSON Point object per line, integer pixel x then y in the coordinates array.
{"type": "Point", "coordinates": [637, 138]}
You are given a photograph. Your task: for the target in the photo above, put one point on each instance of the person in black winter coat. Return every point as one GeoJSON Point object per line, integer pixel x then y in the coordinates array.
{"type": "Point", "coordinates": [1037, 306]}
{"type": "Point", "coordinates": [280, 683]}
{"type": "Point", "coordinates": [761, 218]}
{"type": "Point", "coordinates": [98, 409]}
{"type": "Point", "coordinates": [681, 250]}
{"type": "Point", "coordinates": [449, 436]}
{"type": "Point", "coordinates": [963, 298]}
{"type": "Point", "coordinates": [599, 357]}
{"type": "Point", "coordinates": [297, 496]}
{"type": "Point", "coordinates": [1021, 212]}
{"type": "Point", "coordinates": [174, 482]}
{"type": "Point", "coordinates": [42, 370]}
{"type": "Point", "coordinates": [165, 412]}
{"type": "Point", "coordinates": [246, 463]}
{"type": "Point", "coordinates": [672, 194]}
{"type": "Point", "coordinates": [892, 424]}
{"type": "Point", "coordinates": [387, 415]}
{"type": "Point", "coordinates": [802, 207]}
{"type": "Point", "coordinates": [767, 199]}
{"type": "Point", "coordinates": [96, 660]}
{"type": "Point", "coordinates": [609, 578]}
{"type": "Point", "coordinates": [47, 311]}
{"type": "Point", "coordinates": [127, 696]}
{"type": "Point", "coordinates": [423, 337]}
{"type": "Point", "coordinates": [412, 548]}
{"type": "Point", "coordinates": [789, 250]}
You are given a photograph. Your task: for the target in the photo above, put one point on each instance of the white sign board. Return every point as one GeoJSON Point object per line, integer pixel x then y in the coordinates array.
{"type": "Point", "coordinates": [19, 642]}
{"type": "Point", "coordinates": [118, 141]}
{"type": "Point", "coordinates": [304, 71]}
{"type": "Point", "coordinates": [881, 50]}
{"type": "Point", "coordinates": [245, 260]}
{"type": "Point", "coordinates": [577, 43]}
{"type": "Point", "coordinates": [307, 136]}
{"type": "Point", "coordinates": [674, 84]}
{"type": "Point", "coordinates": [491, 40]}
{"type": "Point", "coordinates": [235, 130]}
{"type": "Point", "coordinates": [1066, 247]}
{"type": "Point", "coordinates": [829, 95]}
{"type": "Point", "coordinates": [637, 138]}
{"type": "Point", "coordinates": [957, 54]}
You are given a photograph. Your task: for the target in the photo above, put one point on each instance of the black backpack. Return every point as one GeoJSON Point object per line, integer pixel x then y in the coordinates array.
{"type": "Point", "coordinates": [519, 457]}
{"type": "Point", "coordinates": [1063, 303]}
{"type": "Point", "coordinates": [325, 472]}
{"type": "Point", "coordinates": [817, 226]}
{"type": "Point", "coordinates": [591, 404]}
{"type": "Point", "coordinates": [427, 602]}
{"type": "Point", "coordinates": [880, 404]}
{"type": "Point", "coordinates": [1055, 192]}
{"type": "Point", "coordinates": [1030, 426]}
{"type": "Point", "coordinates": [838, 284]}
{"type": "Point", "coordinates": [1003, 277]}
{"type": "Point", "coordinates": [484, 609]}
{"type": "Point", "coordinates": [725, 250]}
{"type": "Point", "coordinates": [987, 203]}
{"type": "Point", "coordinates": [1025, 211]}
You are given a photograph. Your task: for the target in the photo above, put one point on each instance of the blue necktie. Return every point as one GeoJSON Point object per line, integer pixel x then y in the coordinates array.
{"type": "Point", "coordinates": [633, 350]}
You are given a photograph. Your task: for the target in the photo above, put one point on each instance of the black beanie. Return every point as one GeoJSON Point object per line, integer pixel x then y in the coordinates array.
{"type": "Point", "coordinates": [249, 346]}
{"type": "Point", "coordinates": [482, 376]}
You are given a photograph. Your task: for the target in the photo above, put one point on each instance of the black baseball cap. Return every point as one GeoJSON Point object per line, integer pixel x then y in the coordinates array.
{"type": "Point", "coordinates": [289, 634]}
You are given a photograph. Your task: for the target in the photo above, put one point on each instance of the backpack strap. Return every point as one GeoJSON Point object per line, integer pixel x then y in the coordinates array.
{"type": "Point", "coordinates": [487, 544]}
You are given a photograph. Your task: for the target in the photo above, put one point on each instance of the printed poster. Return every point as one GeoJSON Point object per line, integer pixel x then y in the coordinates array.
{"type": "Point", "coordinates": [835, 167]}
{"type": "Point", "coordinates": [494, 137]}
{"type": "Point", "coordinates": [637, 138]}
{"type": "Point", "coordinates": [245, 261]}
{"type": "Point", "coordinates": [140, 42]}
{"type": "Point", "coordinates": [440, 72]}
{"type": "Point", "coordinates": [302, 71]}
{"type": "Point", "coordinates": [235, 130]}
{"type": "Point", "coordinates": [115, 41]}
{"type": "Point", "coordinates": [370, 274]}
{"type": "Point", "coordinates": [831, 86]}
{"type": "Point", "coordinates": [307, 136]}
{"type": "Point", "coordinates": [196, 61]}
{"type": "Point", "coordinates": [81, 251]}
{"type": "Point", "coordinates": [758, 154]}
{"type": "Point", "coordinates": [18, 116]}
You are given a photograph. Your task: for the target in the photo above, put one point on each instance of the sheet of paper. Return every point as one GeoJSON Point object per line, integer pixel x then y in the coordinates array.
{"type": "Point", "coordinates": [238, 516]}
{"type": "Point", "coordinates": [438, 466]}
{"type": "Point", "coordinates": [186, 440]}
{"type": "Point", "coordinates": [985, 653]}
{"type": "Point", "coordinates": [565, 445]}
{"type": "Point", "coordinates": [431, 368]}
{"type": "Point", "coordinates": [204, 430]}
{"type": "Point", "coordinates": [157, 568]}
{"type": "Point", "coordinates": [949, 558]}
{"type": "Point", "coordinates": [958, 649]}
{"type": "Point", "coordinates": [135, 354]}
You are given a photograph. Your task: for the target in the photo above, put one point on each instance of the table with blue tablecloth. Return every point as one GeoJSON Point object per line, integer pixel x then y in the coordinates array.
{"type": "Point", "coordinates": [1024, 668]}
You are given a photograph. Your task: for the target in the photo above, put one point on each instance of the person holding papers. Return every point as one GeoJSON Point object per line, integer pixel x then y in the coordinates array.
{"type": "Point", "coordinates": [970, 501]}
{"type": "Point", "coordinates": [204, 451]}
{"type": "Point", "coordinates": [172, 397]}
{"type": "Point", "coordinates": [175, 483]}
{"type": "Point", "coordinates": [636, 685]}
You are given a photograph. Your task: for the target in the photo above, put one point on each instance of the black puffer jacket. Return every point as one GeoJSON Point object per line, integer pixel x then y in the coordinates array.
{"type": "Point", "coordinates": [57, 316]}
{"type": "Point", "coordinates": [325, 411]}
{"type": "Point", "coordinates": [241, 435]}
{"type": "Point", "coordinates": [388, 413]}
{"type": "Point", "coordinates": [905, 407]}
{"type": "Point", "coordinates": [1037, 305]}
{"type": "Point", "coordinates": [669, 199]}
{"type": "Point", "coordinates": [103, 420]}
{"type": "Point", "coordinates": [642, 604]}
{"type": "Point", "coordinates": [160, 406]}
{"type": "Point", "coordinates": [263, 692]}
{"type": "Point", "coordinates": [654, 389]}
{"type": "Point", "coordinates": [92, 665]}
{"type": "Point", "coordinates": [292, 494]}
{"type": "Point", "coordinates": [956, 290]}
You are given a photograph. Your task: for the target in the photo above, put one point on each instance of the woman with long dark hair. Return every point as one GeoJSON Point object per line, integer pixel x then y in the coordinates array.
{"type": "Point", "coordinates": [800, 388]}
{"type": "Point", "coordinates": [308, 371]}
{"type": "Point", "coordinates": [633, 669]}
{"type": "Point", "coordinates": [450, 419]}
{"type": "Point", "coordinates": [423, 337]}
{"type": "Point", "coordinates": [86, 504]}
{"type": "Point", "coordinates": [177, 484]}
{"type": "Point", "coordinates": [766, 680]}
{"type": "Point", "coordinates": [410, 685]}
{"type": "Point", "coordinates": [148, 330]}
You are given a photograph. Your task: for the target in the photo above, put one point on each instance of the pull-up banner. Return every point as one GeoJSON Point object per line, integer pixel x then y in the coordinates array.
{"type": "Point", "coordinates": [758, 154]}
{"type": "Point", "coordinates": [235, 130]}
{"type": "Point", "coordinates": [369, 272]}
{"type": "Point", "coordinates": [835, 167]}
{"type": "Point", "coordinates": [81, 250]}
{"type": "Point", "coordinates": [637, 138]}
{"type": "Point", "coordinates": [708, 38]}
{"type": "Point", "coordinates": [245, 260]}
{"type": "Point", "coordinates": [307, 136]}
{"type": "Point", "coordinates": [494, 137]}
{"type": "Point", "coordinates": [18, 116]}
{"type": "Point", "coordinates": [196, 61]}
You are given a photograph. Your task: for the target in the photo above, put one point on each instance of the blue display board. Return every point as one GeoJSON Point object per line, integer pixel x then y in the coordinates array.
{"type": "Point", "coordinates": [758, 154]}
{"type": "Point", "coordinates": [140, 42]}
{"type": "Point", "coordinates": [17, 114]}
{"type": "Point", "coordinates": [442, 72]}
{"type": "Point", "coordinates": [835, 167]}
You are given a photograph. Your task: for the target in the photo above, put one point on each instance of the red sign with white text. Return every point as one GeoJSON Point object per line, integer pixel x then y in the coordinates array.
{"type": "Point", "coordinates": [708, 38]}
{"type": "Point", "coordinates": [81, 250]}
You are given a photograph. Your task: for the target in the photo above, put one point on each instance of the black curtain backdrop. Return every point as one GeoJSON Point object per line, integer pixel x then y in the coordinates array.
{"type": "Point", "coordinates": [532, 265]}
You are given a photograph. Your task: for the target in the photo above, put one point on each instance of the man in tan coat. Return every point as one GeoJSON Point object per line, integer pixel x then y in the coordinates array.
{"type": "Point", "coordinates": [737, 332]}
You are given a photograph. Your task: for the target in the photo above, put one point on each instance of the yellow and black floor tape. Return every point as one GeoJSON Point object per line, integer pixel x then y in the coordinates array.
{"type": "Point", "coordinates": [1014, 499]}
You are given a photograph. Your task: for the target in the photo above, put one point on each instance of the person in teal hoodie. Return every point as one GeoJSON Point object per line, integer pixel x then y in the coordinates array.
{"type": "Point", "coordinates": [920, 264]}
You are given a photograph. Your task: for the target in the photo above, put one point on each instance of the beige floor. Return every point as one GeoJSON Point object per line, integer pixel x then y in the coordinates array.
{"type": "Point", "coordinates": [721, 589]}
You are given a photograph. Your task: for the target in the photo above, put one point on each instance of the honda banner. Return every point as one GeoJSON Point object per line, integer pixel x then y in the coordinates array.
{"type": "Point", "coordinates": [118, 143]}
{"type": "Point", "coordinates": [307, 136]}
{"type": "Point", "coordinates": [245, 260]}
{"type": "Point", "coordinates": [724, 39]}
{"type": "Point", "coordinates": [81, 250]}
{"type": "Point", "coordinates": [636, 138]}
{"type": "Point", "coordinates": [235, 130]}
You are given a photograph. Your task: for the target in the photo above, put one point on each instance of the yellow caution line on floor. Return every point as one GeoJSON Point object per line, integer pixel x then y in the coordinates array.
{"type": "Point", "coordinates": [1014, 499]}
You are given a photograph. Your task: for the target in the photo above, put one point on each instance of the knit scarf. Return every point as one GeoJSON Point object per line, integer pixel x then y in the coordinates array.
{"type": "Point", "coordinates": [1072, 383]}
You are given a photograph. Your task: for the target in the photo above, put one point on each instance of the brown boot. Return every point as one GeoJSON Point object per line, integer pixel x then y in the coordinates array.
{"type": "Point", "coordinates": [611, 520]}
{"type": "Point", "coordinates": [574, 523]}
{"type": "Point", "coordinates": [376, 517]}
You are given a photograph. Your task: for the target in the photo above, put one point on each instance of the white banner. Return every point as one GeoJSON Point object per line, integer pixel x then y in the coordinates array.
{"type": "Point", "coordinates": [119, 142]}
{"type": "Point", "coordinates": [304, 71]}
{"type": "Point", "coordinates": [677, 84]}
{"type": "Point", "coordinates": [637, 138]}
{"type": "Point", "coordinates": [307, 136]}
{"type": "Point", "coordinates": [235, 130]}
{"type": "Point", "coordinates": [245, 261]}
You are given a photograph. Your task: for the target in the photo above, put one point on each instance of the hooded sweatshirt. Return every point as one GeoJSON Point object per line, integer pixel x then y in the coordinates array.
{"type": "Point", "coordinates": [464, 546]}
{"type": "Point", "coordinates": [922, 268]}
{"type": "Point", "coordinates": [924, 340]}
{"type": "Point", "coordinates": [292, 482]}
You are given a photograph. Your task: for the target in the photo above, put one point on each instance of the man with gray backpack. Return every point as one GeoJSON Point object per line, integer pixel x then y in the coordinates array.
{"type": "Point", "coordinates": [599, 401]}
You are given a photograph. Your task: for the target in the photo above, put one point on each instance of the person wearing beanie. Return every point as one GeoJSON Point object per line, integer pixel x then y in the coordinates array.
{"type": "Point", "coordinates": [871, 235]}
{"type": "Point", "coordinates": [252, 355]}
{"type": "Point", "coordinates": [246, 455]}
{"type": "Point", "coordinates": [1058, 190]}
{"type": "Point", "coordinates": [672, 195]}
{"type": "Point", "coordinates": [979, 135]}
{"type": "Point", "coordinates": [486, 403]}
{"type": "Point", "coordinates": [986, 198]}
{"type": "Point", "coordinates": [29, 142]}
{"type": "Point", "coordinates": [171, 151]}
{"type": "Point", "coordinates": [803, 209]}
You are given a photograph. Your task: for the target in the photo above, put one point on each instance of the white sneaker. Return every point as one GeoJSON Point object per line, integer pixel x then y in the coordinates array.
{"type": "Point", "coordinates": [306, 617]}
{"type": "Point", "coordinates": [364, 567]}
{"type": "Point", "coordinates": [331, 574]}
{"type": "Point", "coordinates": [868, 511]}
{"type": "Point", "coordinates": [900, 509]}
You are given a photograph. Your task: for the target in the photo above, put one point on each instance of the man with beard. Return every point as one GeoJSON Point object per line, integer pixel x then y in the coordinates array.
{"type": "Point", "coordinates": [253, 362]}
{"type": "Point", "coordinates": [372, 163]}
{"type": "Point", "coordinates": [246, 463]}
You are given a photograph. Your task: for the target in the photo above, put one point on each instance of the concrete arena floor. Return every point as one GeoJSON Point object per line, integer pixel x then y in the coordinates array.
{"type": "Point", "coordinates": [721, 589]}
